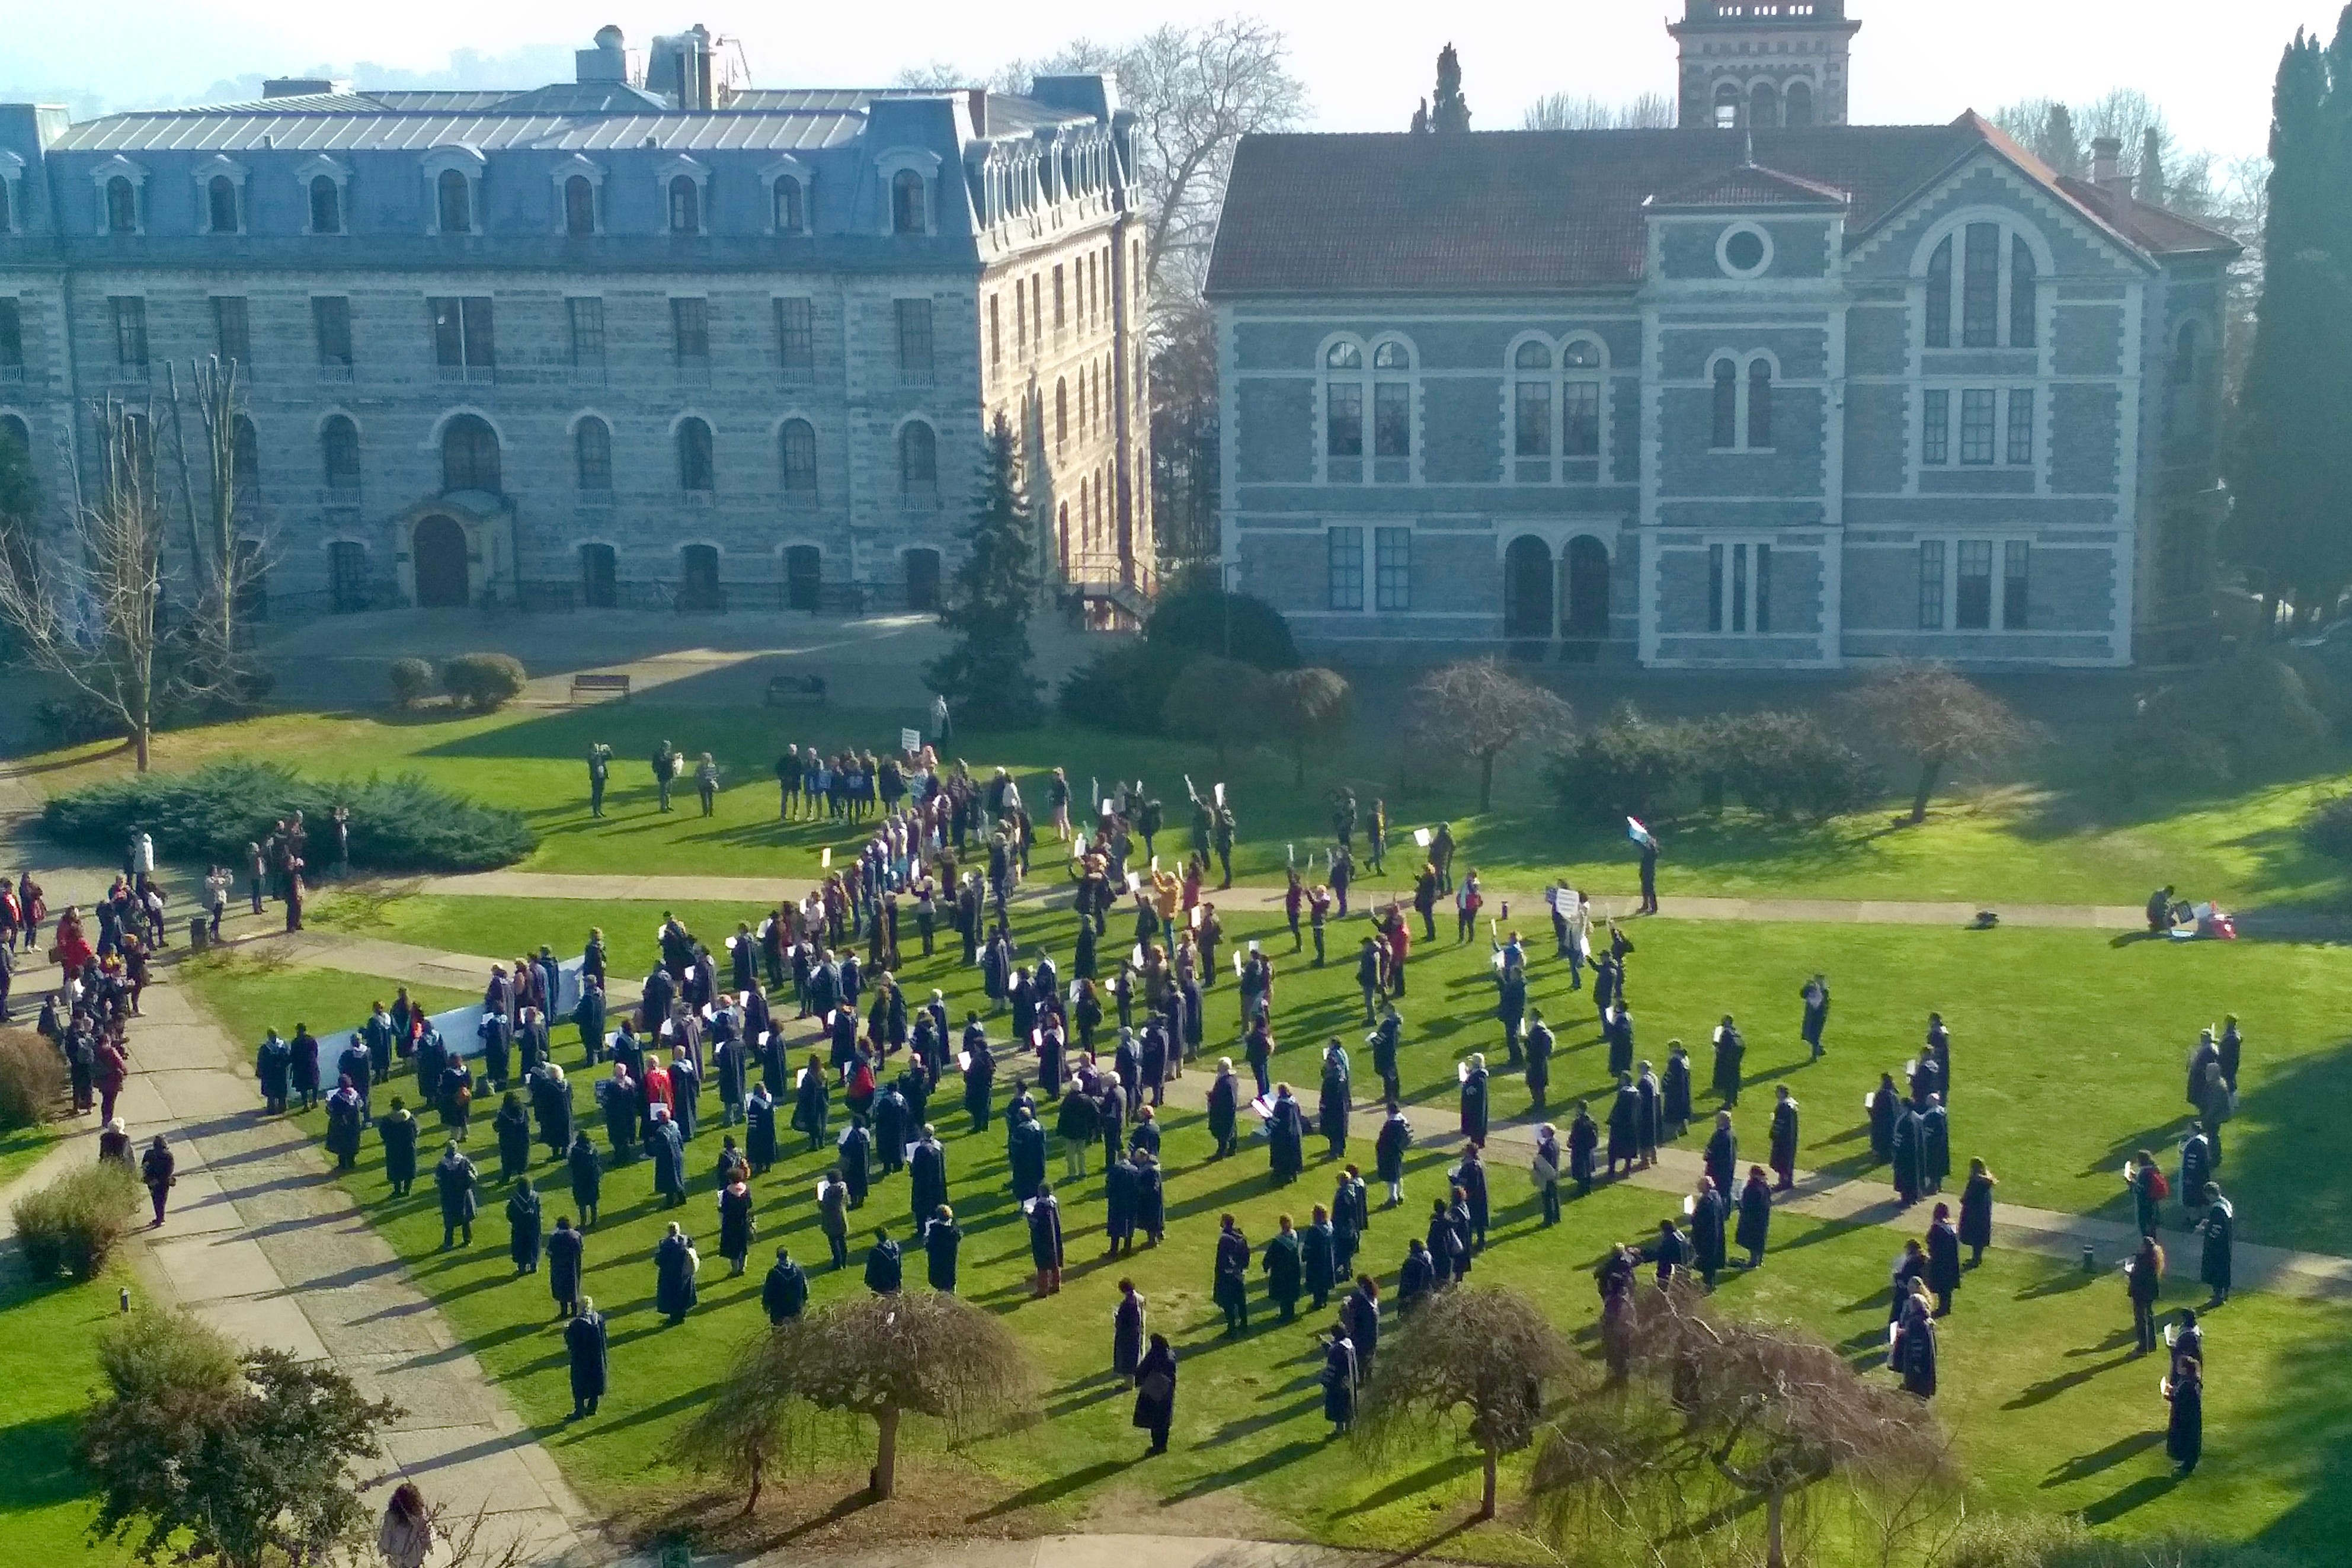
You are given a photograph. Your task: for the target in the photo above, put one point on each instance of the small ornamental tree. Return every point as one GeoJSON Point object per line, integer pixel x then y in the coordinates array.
{"type": "Point", "coordinates": [749, 1428]}
{"type": "Point", "coordinates": [987, 674]}
{"type": "Point", "coordinates": [1311, 709]}
{"type": "Point", "coordinates": [881, 1358]}
{"type": "Point", "coordinates": [1942, 720]}
{"type": "Point", "coordinates": [1222, 704]}
{"type": "Point", "coordinates": [1471, 1362]}
{"type": "Point", "coordinates": [1478, 708]}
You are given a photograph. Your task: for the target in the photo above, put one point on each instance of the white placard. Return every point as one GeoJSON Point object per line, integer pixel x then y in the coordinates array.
{"type": "Point", "coordinates": [824, 857]}
{"type": "Point", "coordinates": [1421, 835]}
{"type": "Point", "coordinates": [1462, 1072]}
{"type": "Point", "coordinates": [803, 1077]}
{"type": "Point", "coordinates": [1690, 1204]}
{"type": "Point", "coordinates": [1195, 916]}
{"type": "Point", "coordinates": [964, 1060]}
{"type": "Point", "coordinates": [1263, 1106]}
{"type": "Point", "coordinates": [911, 1150]}
{"type": "Point", "coordinates": [910, 739]}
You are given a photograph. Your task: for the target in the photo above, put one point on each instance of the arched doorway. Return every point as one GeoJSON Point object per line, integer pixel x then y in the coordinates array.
{"type": "Point", "coordinates": [804, 577]}
{"type": "Point", "coordinates": [1588, 589]}
{"type": "Point", "coordinates": [439, 554]}
{"type": "Point", "coordinates": [697, 587]}
{"type": "Point", "coordinates": [922, 579]}
{"type": "Point", "coordinates": [600, 586]}
{"type": "Point", "coordinates": [1526, 590]}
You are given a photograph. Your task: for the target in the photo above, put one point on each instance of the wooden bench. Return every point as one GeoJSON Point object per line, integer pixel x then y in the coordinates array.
{"type": "Point", "coordinates": [796, 691]}
{"type": "Point", "coordinates": [600, 686]}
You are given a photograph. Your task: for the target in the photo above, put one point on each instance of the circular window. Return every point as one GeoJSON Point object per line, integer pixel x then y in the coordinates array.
{"type": "Point", "coordinates": [1744, 252]}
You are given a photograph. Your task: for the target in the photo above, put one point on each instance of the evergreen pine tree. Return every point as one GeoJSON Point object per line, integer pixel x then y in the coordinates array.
{"type": "Point", "coordinates": [2151, 167]}
{"type": "Point", "coordinates": [2061, 147]}
{"type": "Point", "coordinates": [1421, 118]}
{"type": "Point", "coordinates": [986, 674]}
{"type": "Point", "coordinates": [1449, 111]}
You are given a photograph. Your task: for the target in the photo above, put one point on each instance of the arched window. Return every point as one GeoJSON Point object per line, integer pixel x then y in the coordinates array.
{"type": "Point", "coordinates": [919, 461]}
{"type": "Point", "coordinates": [121, 205]}
{"type": "Point", "coordinates": [1392, 400]}
{"type": "Point", "coordinates": [1997, 302]}
{"type": "Point", "coordinates": [1727, 106]}
{"type": "Point", "coordinates": [1534, 422]}
{"type": "Point", "coordinates": [696, 469]}
{"type": "Point", "coordinates": [1764, 107]}
{"type": "Point", "coordinates": [339, 450]}
{"type": "Point", "coordinates": [579, 205]}
{"type": "Point", "coordinates": [1797, 106]}
{"type": "Point", "coordinates": [220, 204]}
{"type": "Point", "coordinates": [2023, 308]}
{"type": "Point", "coordinates": [245, 458]}
{"type": "Point", "coordinates": [1741, 414]}
{"type": "Point", "coordinates": [469, 456]}
{"type": "Point", "coordinates": [1727, 405]}
{"type": "Point", "coordinates": [685, 204]}
{"type": "Point", "coordinates": [1062, 535]}
{"type": "Point", "coordinates": [591, 444]}
{"type": "Point", "coordinates": [906, 202]}
{"type": "Point", "coordinates": [1343, 414]}
{"type": "Point", "coordinates": [1759, 403]}
{"type": "Point", "coordinates": [15, 430]}
{"type": "Point", "coordinates": [2186, 378]}
{"type": "Point", "coordinates": [326, 206]}
{"type": "Point", "coordinates": [457, 202]}
{"type": "Point", "coordinates": [797, 446]}
{"type": "Point", "coordinates": [1061, 414]}
{"type": "Point", "coordinates": [788, 209]}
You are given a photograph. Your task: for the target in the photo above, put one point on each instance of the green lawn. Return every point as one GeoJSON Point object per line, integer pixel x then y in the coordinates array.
{"type": "Point", "coordinates": [2045, 840]}
{"type": "Point", "coordinates": [2051, 1411]}
{"type": "Point", "coordinates": [2069, 1047]}
{"type": "Point", "coordinates": [49, 1363]}
{"type": "Point", "coordinates": [21, 1148]}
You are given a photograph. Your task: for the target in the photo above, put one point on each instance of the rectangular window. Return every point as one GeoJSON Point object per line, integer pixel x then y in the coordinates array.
{"type": "Point", "coordinates": [1059, 314]}
{"type": "Point", "coordinates": [1345, 547]}
{"type": "Point", "coordinates": [1392, 419]}
{"type": "Point", "coordinates": [1715, 588]}
{"type": "Point", "coordinates": [1534, 435]}
{"type": "Point", "coordinates": [587, 320]}
{"type": "Point", "coordinates": [1020, 318]}
{"type": "Point", "coordinates": [1583, 416]}
{"type": "Point", "coordinates": [2024, 315]}
{"type": "Point", "coordinates": [1344, 420]}
{"type": "Point", "coordinates": [690, 325]}
{"type": "Point", "coordinates": [331, 321]}
{"type": "Point", "coordinates": [914, 342]}
{"type": "Point", "coordinates": [462, 343]}
{"type": "Point", "coordinates": [1739, 587]}
{"type": "Point", "coordinates": [130, 332]}
{"type": "Point", "coordinates": [2015, 558]}
{"type": "Point", "coordinates": [796, 338]}
{"type": "Point", "coordinates": [1939, 297]}
{"type": "Point", "coordinates": [1763, 588]}
{"type": "Point", "coordinates": [232, 334]}
{"type": "Point", "coordinates": [12, 335]}
{"type": "Point", "coordinates": [1931, 584]}
{"type": "Point", "coordinates": [1976, 427]}
{"type": "Point", "coordinates": [1936, 428]}
{"type": "Point", "coordinates": [1980, 288]}
{"type": "Point", "coordinates": [1392, 568]}
{"type": "Point", "coordinates": [996, 339]}
{"type": "Point", "coordinates": [1972, 602]}
{"type": "Point", "coordinates": [2020, 427]}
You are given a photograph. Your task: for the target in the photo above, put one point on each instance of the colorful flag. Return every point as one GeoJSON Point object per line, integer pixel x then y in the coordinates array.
{"type": "Point", "coordinates": [1638, 833]}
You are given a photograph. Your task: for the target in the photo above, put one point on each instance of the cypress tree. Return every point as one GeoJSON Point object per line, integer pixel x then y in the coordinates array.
{"type": "Point", "coordinates": [987, 674]}
{"type": "Point", "coordinates": [2062, 149]}
{"type": "Point", "coordinates": [1449, 111]}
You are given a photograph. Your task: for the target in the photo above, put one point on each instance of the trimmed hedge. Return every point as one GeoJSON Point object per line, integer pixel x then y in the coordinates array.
{"type": "Point", "coordinates": [1206, 619]}
{"type": "Point", "coordinates": [402, 823]}
{"type": "Point", "coordinates": [32, 1079]}
{"type": "Point", "coordinates": [411, 680]}
{"type": "Point", "coordinates": [483, 681]}
{"type": "Point", "coordinates": [73, 1224]}
{"type": "Point", "coordinates": [1788, 767]}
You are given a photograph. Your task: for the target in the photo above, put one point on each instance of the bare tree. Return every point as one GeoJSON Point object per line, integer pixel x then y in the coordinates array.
{"type": "Point", "coordinates": [750, 1426]}
{"type": "Point", "coordinates": [924, 1354]}
{"type": "Point", "coordinates": [1479, 708]}
{"type": "Point", "coordinates": [86, 610]}
{"type": "Point", "coordinates": [1566, 111]}
{"type": "Point", "coordinates": [1311, 708]}
{"type": "Point", "coordinates": [223, 568]}
{"type": "Point", "coordinates": [1471, 1362]}
{"type": "Point", "coordinates": [1944, 721]}
{"type": "Point", "coordinates": [938, 76]}
{"type": "Point", "coordinates": [1222, 704]}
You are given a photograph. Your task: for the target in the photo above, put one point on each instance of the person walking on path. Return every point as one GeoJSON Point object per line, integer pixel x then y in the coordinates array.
{"type": "Point", "coordinates": [1155, 1392]}
{"type": "Point", "coordinates": [405, 1536]}
{"type": "Point", "coordinates": [155, 1172]}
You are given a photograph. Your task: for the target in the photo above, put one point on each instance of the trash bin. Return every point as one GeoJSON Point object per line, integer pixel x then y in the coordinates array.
{"type": "Point", "coordinates": [200, 934]}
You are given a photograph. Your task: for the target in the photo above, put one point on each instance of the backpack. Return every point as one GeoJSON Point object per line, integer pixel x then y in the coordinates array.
{"type": "Point", "coordinates": [2160, 1187]}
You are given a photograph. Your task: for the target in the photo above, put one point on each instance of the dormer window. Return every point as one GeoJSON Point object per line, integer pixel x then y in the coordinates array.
{"type": "Point", "coordinates": [220, 204]}
{"type": "Point", "coordinates": [121, 205]}
{"type": "Point", "coordinates": [1994, 299]}
{"type": "Point", "coordinates": [790, 214]}
{"type": "Point", "coordinates": [908, 204]}
{"type": "Point", "coordinates": [685, 204]}
{"type": "Point", "coordinates": [326, 206]}
{"type": "Point", "coordinates": [455, 202]}
{"type": "Point", "coordinates": [579, 206]}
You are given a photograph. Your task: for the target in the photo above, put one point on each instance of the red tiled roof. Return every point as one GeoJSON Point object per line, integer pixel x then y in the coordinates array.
{"type": "Point", "coordinates": [2155, 229]}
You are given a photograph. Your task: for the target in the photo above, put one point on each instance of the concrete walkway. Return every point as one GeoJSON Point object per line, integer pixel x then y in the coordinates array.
{"type": "Point", "coordinates": [1511, 1144]}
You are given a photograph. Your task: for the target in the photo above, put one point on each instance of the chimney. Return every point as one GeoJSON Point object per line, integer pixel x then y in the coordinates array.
{"type": "Point", "coordinates": [977, 97]}
{"type": "Point", "coordinates": [608, 60]}
{"type": "Point", "coordinates": [2107, 166]}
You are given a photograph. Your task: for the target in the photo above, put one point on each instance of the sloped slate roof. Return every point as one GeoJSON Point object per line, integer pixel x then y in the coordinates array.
{"type": "Point", "coordinates": [1752, 185]}
{"type": "Point", "coordinates": [2151, 228]}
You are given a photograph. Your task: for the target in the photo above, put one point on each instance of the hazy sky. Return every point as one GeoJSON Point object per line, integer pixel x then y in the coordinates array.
{"type": "Point", "coordinates": [2209, 64]}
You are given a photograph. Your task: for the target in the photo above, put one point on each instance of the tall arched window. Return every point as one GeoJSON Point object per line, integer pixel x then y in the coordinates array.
{"type": "Point", "coordinates": [457, 202]}
{"type": "Point", "coordinates": [579, 205]}
{"type": "Point", "coordinates": [696, 471]}
{"type": "Point", "coordinates": [788, 210]}
{"type": "Point", "coordinates": [338, 451]}
{"type": "Point", "coordinates": [1727, 106]}
{"type": "Point", "coordinates": [1742, 407]}
{"type": "Point", "coordinates": [2023, 307]}
{"type": "Point", "coordinates": [1061, 414]}
{"type": "Point", "coordinates": [1997, 300]}
{"type": "Point", "coordinates": [244, 459]}
{"type": "Point", "coordinates": [685, 204]}
{"type": "Point", "coordinates": [796, 445]}
{"type": "Point", "coordinates": [1759, 403]}
{"type": "Point", "coordinates": [469, 456]}
{"type": "Point", "coordinates": [1727, 405]}
{"type": "Point", "coordinates": [220, 204]}
{"type": "Point", "coordinates": [1797, 105]}
{"type": "Point", "coordinates": [16, 430]}
{"type": "Point", "coordinates": [919, 461]}
{"type": "Point", "coordinates": [121, 205]}
{"type": "Point", "coordinates": [1764, 107]}
{"type": "Point", "coordinates": [906, 202]}
{"type": "Point", "coordinates": [1535, 426]}
{"type": "Point", "coordinates": [2185, 377]}
{"type": "Point", "coordinates": [326, 206]}
{"type": "Point", "coordinates": [1343, 413]}
{"type": "Point", "coordinates": [591, 444]}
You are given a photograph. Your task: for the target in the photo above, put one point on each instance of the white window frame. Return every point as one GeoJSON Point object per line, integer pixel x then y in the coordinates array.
{"type": "Point", "coordinates": [120, 168]}
{"type": "Point", "coordinates": [1363, 531]}
{"type": "Point", "coordinates": [1743, 367]}
{"type": "Point", "coordinates": [1739, 619]}
{"type": "Point", "coordinates": [2013, 227]}
{"type": "Point", "coordinates": [466, 161]}
{"type": "Point", "coordinates": [218, 167]}
{"type": "Point", "coordinates": [324, 167]}
{"type": "Point", "coordinates": [1955, 394]}
{"type": "Point", "coordinates": [1370, 379]}
{"type": "Point", "coordinates": [1560, 377]}
{"type": "Point", "coordinates": [1723, 251]}
{"type": "Point", "coordinates": [787, 168]}
{"type": "Point", "coordinates": [1997, 608]}
{"type": "Point", "coordinates": [922, 162]}
{"type": "Point", "coordinates": [578, 167]}
{"type": "Point", "coordinates": [12, 178]}
{"type": "Point", "coordinates": [682, 166]}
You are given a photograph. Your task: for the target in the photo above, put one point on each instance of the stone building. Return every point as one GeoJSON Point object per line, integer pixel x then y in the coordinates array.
{"type": "Point", "coordinates": [1753, 392]}
{"type": "Point", "coordinates": [649, 338]}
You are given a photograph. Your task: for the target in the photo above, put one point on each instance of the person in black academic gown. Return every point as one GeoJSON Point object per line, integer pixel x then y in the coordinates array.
{"type": "Point", "coordinates": [1315, 1257]}
{"type": "Point", "coordinates": [398, 1130]}
{"type": "Point", "coordinates": [735, 1224]}
{"type": "Point", "coordinates": [1046, 1240]}
{"type": "Point", "coordinates": [1231, 1287]}
{"type": "Point", "coordinates": [1913, 1353]}
{"type": "Point", "coordinates": [453, 1180]}
{"type": "Point", "coordinates": [1475, 1105]}
{"type": "Point", "coordinates": [1754, 1215]}
{"type": "Point", "coordinates": [587, 1173]}
{"type": "Point", "coordinates": [675, 1265]}
{"type": "Point", "coordinates": [585, 1345]}
{"type": "Point", "coordinates": [1285, 1136]}
{"type": "Point", "coordinates": [2184, 1433]}
{"type": "Point", "coordinates": [1338, 1379]}
{"type": "Point", "coordinates": [1284, 1267]}
{"type": "Point", "coordinates": [1976, 1211]}
{"type": "Point", "coordinates": [1885, 1104]}
{"type": "Point", "coordinates": [1943, 1258]}
{"type": "Point", "coordinates": [783, 1294]}
{"type": "Point", "coordinates": [1418, 1277]}
{"type": "Point", "coordinates": [1722, 1157]}
{"type": "Point", "coordinates": [1470, 1181]}
{"type": "Point", "coordinates": [1448, 1254]}
{"type": "Point", "coordinates": [1707, 1231]}
{"type": "Point", "coordinates": [1126, 1324]}
{"type": "Point", "coordinates": [1910, 1156]}
{"type": "Point", "coordinates": [1155, 1392]}
{"type": "Point", "coordinates": [669, 1152]}
{"type": "Point", "coordinates": [567, 1251]}
{"type": "Point", "coordinates": [885, 1269]}
{"type": "Point", "coordinates": [523, 1217]}
{"type": "Point", "coordinates": [512, 1125]}
{"type": "Point", "coordinates": [2221, 1228]}
{"type": "Point", "coordinates": [942, 1242]}
{"type": "Point", "coordinates": [1625, 1125]}
{"type": "Point", "coordinates": [1782, 1156]}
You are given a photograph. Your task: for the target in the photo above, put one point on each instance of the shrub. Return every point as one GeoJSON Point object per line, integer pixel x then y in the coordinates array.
{"type": "Point", "coordinates": [1123, 688]}
{"type": "Point", "coordinates": [402, 823]}
{"type": "Point", "coordinates": [31, 1078]}
{"type": "Point", "coordinates": [1628, 766]}
{"type": "Point", "coordinates": [1222, 702]}
{"type": "Point", "coordinates": [76, 721]}
{"type": "Point", "coordinates": [2328, 827]}
{"type": "Point", "coordinates": [2064, 1541]}
{"type": "Point", "coordinates": [1206, 619]}
{"type": "Point", "coordinates": [2245, 718]}
{"type": "Point", "coordinates": [155, 1356]}
{"type": "Point", "coordinates": [411, 680]}
{"type": "Point", "coordinates": [483, 681]}
{"type": "Point", "coordinates": [1789, 767]}
{"type": "Point", "coordinates": [73, 1224]}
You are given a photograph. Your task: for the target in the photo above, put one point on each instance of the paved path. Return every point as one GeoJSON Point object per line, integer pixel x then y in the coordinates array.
{"type": "Point", "coordinates": [1817, 1196]}
{"type": "Point", "coordinates": [1097, 1552]}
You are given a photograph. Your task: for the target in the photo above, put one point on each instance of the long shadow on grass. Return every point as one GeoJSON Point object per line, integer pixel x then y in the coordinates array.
{"type": "Point", "coordinates": [1056, 1489]}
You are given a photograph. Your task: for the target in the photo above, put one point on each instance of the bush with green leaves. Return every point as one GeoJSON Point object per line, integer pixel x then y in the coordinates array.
{"type": "Point", "coordinates": [411, 680]}
{"type": "Point", "coordinates": [2328, 827]}
{"type": "Point", "coordinates": [1122, 687]}
{"type": "Point", "coordinates": [401, 823]}
{"type": "Point", "coordinates": [1628, 765]}
{"type": "Point", "coordinates": [2240, 721]}
{"type": "Point", "coordinates": [1205, 619]}
{"type": "Point", "coordinates": [2064, 1541]}
{"type": "Point", "coordinates": [32, 1079]}
{"type": "Point", "coordinates": [483, 681]}
{"type": "Point", "coordinates": [73, 1224]}
{"type": "Point", "coordinates": [1789, 767]}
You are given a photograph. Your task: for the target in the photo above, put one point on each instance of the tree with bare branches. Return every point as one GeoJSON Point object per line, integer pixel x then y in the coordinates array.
{"type": "Point", "coordinates": [1471, 1362]}
{"type": "Point", "coordinates": [881, 1358]}
{"type": "Point", "coordinates": [1478, 708]}
{"type": "Point", "coordinates": [1744, 1414]}
{"type": "Point", "coordinates": [1222, 702]}
{"type": "Point", "coordinates": [750, 1426]}
{"type": "Point", "coordinates": [224, 569]}
{"type": "Point", "coordinates": [1943, 720]}
{"type": "Point", "coordinates": [1311, 708]}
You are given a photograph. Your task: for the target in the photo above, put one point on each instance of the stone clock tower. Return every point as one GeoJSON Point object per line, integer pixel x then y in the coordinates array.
{"type": "Point", "coordinates": [1758, 64]}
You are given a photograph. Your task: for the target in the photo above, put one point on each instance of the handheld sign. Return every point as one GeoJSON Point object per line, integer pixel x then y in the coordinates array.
{"type": "Point", "coordinates": [1094, 791]}
{"type": "Point", "coordinates": [1136, 958]}
{"type": "Point", "coordinates": [2171, 1334]}
{"type": "Point", "coordinates": [1038, 1039]}
{"type": "Point", "coordinates": [1690, 1203]}
{"type": "Point", "coordinates": [1291, 853]}
{"type": "Point", "coordinates": [821, 1185]}
{"type": "Point", "coordinates": [1910, 1066]}
{"type": "Point", "coordinates": [824, 857]}
{"type": "Point", "coordinates": [1155, 865]}
{"type": "Point", "coordinates": [910, 1150]}
{"type": "Point", "coordinates": [801, 1080]}
{"type": "Point", "coordinates": [964, 1060]}
{"type": "Point", "coordinates": [910, 739]}
{"type": "Point", "coordinates": [1220, 791]}
{"type": "Point", "coordinates": [1421, 835]}
{"type": "Point", "coordinates": [1263, 1106]}
{"type": "Point", "coordinates": [1134, 881]}
{"type": "Point", "coordinates": [1462, 1072]}
{"type": "Point", "coordinates": [1870, 1099]}
{"type": "Point", "coordinates": [1194, 920]}
{"type": "Point", "coordinates": [1238, 965]}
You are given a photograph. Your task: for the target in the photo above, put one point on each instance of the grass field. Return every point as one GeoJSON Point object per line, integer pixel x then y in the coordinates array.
{"type": "Point", "coordinates": [2056, 836]}
{"type": "Point", "coordinates": [21, 1148]}
{"type": "Point", "coordinates": [2051, 1411]}
{"type": "Point", "coordinates": [49, 1363]}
